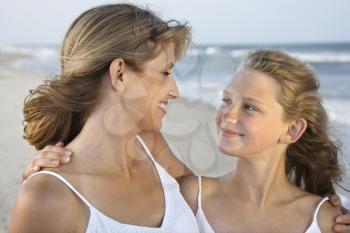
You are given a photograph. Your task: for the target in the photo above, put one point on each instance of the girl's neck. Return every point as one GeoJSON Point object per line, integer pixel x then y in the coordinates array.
{"type": "Point", "coordinates": [260, 181]}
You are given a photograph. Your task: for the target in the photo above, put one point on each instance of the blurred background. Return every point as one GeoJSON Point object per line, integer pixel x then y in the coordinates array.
{"type": "Point", "coordinates": [316, 31]}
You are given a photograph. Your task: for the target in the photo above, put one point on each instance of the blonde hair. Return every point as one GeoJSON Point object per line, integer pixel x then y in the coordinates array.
{"type": "Point", "coordinates": [58, 109]}
{"type": "Point", "coordinates": [311, 162]}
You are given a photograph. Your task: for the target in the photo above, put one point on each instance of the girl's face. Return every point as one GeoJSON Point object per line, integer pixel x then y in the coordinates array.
{"type": "Point", "coordinates": [250, 120]}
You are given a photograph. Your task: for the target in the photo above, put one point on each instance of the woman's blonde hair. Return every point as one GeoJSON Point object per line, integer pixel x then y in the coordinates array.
{"type": "Point", "coordinates": [58, 109]}
{"type": "Point", "coordinates": [311, 162]}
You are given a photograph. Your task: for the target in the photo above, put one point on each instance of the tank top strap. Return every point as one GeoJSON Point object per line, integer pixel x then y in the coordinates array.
{"type": "Point", "coordinates": [199, 198]}
{"type": "Point", "coordinates": [318, 207]}
{"type": "Point", "coordinates": [145, 147]}
{"type": "Point", "coordinates": [62, 179]}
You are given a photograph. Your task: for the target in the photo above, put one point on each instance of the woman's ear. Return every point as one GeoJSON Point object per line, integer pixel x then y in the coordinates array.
{"type": "Point", "coordinates": [116, 71]}
{"type": "Point", "coordinates": [295, 130]}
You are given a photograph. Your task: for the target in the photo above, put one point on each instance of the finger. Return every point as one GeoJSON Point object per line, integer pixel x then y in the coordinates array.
{"type": "Point", "coordinates": [63, 156]}
{"type": "Point", "coordinates": [343, 219]}
{"type": "Point", "coordinates": [60, 144]}
{"type": "Point", "coordinates": [28, 171]}
{"type": "Point", "coordinates": [345, 210]}
{"type": "Point", "coordinates": [53, 153]}
{"type": "Point", "coordinates": [341, 228]}
{"type": "Point", "coordinates": [335, 200]}
{"type": "Point", "coordinates": [55, 148]}
{"type": "Point", "coordinates": [38, 164]}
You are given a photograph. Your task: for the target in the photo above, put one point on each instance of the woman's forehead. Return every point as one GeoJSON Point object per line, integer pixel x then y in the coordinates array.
{"type": "Point", "coordinates": [165, 58]}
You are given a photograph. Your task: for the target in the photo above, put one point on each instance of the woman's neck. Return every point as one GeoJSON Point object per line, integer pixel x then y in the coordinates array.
{"type": "Point", "coordinates": [98, 146]}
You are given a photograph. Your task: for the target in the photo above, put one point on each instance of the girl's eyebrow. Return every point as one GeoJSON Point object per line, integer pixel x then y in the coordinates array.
{"type": "Point", "coordinates": [247, 98]}
{"type": "Point", "coordinates": [253, 99]}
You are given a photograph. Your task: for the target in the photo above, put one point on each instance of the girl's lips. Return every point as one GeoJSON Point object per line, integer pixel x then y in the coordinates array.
{"type": "Point", "coordinates": [230, 133]}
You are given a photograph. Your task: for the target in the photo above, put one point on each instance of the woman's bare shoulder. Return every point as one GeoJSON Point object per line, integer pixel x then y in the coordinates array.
{"type": "Point", "coordinates": [42, 205]}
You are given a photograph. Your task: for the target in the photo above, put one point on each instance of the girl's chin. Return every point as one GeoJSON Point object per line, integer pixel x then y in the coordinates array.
{"type": "Point", "coordinates": [227, 149]}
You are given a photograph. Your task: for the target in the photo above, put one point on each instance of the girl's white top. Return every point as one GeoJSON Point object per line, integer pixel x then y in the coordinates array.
{"type": "Point", "coordinates": [178, 217]}
{"type": "Point", "coordinates": [204, 226]}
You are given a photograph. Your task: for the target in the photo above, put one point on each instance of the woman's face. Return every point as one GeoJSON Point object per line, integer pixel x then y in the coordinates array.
{"type": "Point", "coordinates": [154, 87]}
{"type": "Point", "coordinates": [249, 120]}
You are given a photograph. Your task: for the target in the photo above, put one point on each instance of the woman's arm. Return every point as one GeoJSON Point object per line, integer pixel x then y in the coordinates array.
{"type": "Point", "coordinates": [189, 190]}
{"type": "Point", "coordinates": [163, 154]}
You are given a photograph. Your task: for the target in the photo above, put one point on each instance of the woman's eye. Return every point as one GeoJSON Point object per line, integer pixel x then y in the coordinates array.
{"type": "Point", "coordinates": [249, 107]}
{"type": "Point", "coordinates": [226, 100]}
{"type": "Point", "coordinates": [166, 74]}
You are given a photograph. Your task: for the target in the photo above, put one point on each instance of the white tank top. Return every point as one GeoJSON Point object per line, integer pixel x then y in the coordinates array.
{"type": "Point", "coordinates": [204, 226]}
{"type": "Point", "coordinates": [178, 217]}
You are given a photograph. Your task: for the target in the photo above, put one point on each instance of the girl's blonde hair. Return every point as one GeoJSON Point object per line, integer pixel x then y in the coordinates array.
{"type": "Point", "coordinates": [58, 109]}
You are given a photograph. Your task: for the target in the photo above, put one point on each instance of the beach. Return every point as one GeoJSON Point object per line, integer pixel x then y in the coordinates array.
{"type": "Point", "coordinates": [188, 126]}
{"type": "Point", "coordinates": [14, 151]}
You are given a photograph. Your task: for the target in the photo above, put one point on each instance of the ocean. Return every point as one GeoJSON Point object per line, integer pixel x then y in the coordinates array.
{"type": "Point", "coordinates": [206, 69]}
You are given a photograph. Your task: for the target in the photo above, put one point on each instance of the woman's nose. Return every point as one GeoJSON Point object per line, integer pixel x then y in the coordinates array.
{"type": "Point", "coordinates": [173, 90]}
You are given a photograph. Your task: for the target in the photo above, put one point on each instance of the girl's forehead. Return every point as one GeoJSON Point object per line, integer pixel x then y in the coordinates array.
{"type": "Point", "coordinates": [253, 83]}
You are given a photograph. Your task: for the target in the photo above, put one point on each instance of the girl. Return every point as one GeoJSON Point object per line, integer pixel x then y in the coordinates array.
{"type": "Point", "coordinates": [272, 119]}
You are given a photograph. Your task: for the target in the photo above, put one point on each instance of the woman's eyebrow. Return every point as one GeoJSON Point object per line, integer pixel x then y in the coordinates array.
{"type": "Point", "coordinates": [226, 92]}
{"type": "Point", "coordinates": [170, 65]}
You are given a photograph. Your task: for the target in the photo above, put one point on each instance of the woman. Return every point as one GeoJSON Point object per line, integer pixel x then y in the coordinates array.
{"type": "Point", "coordinates": [272, 119]}
{"type": "Point", "coordinates": [116, 78]}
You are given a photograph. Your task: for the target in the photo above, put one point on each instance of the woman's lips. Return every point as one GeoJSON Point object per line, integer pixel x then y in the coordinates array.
{"type": "Point", "coordinates": [162, 106]}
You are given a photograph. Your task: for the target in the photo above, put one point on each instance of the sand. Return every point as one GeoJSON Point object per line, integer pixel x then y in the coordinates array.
{"type": "Point", "coordinates": [14, 151]}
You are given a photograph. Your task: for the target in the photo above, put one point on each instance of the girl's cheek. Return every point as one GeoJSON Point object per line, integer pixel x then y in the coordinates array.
{"type": "Point", "coordinates": [218, 117]}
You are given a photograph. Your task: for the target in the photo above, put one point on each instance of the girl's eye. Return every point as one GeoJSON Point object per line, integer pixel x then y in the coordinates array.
{"type": "Point", "coordinates": [249, 107]}
{"type": "Point", "coordinates": [166, 74]}
{"type": "Point", "coordinates": [226, 100]}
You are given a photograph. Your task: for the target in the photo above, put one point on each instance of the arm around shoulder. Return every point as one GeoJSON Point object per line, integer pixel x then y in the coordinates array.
{"type": "Point", "coordinates": [189, 190]}
{"type": "Point", "coordinates": [326, 217]}
{"type": "Point", "coordinates": [43, 205]}
{"type": "Point", "coordinates": [164, 155]}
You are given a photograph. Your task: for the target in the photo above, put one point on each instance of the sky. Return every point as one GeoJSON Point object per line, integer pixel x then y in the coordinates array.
{"type": "Point", "coordinates": [213, 22]}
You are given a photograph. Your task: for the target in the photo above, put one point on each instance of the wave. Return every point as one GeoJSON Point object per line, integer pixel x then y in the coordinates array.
{"type": "Point", "coordinates": [39, 52]}
{"type": "Point", "coordinates": [338, 110]}
{"type": "Point", "coordinates": [312, 57]}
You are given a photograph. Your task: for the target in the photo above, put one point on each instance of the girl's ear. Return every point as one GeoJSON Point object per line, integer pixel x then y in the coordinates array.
{"type": "Point", "coordinates": [116, 70]}
{"type": "Point", "coordinates": [295, 130]}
